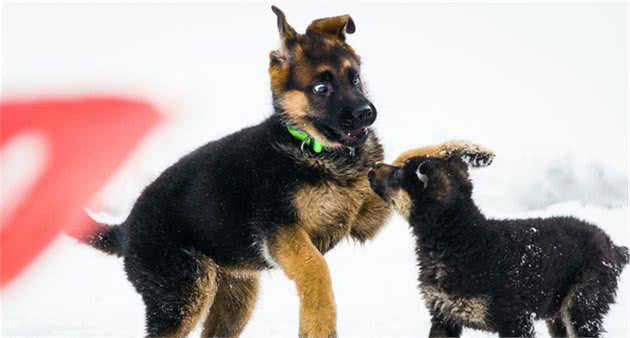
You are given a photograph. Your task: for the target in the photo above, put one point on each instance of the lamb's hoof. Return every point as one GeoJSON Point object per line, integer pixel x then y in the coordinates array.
{"type": "Point", "coordinates": [475, 155]}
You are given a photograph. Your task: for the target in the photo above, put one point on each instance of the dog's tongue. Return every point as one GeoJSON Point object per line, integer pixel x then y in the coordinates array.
{"type": "Point", "coordinates": [356, 132]}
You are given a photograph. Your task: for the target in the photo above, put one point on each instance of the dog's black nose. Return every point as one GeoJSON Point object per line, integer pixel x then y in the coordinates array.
{"type": "Point", "coordinates": [363, 113]}
{"type": "Point", "coordinates": [371, 174]}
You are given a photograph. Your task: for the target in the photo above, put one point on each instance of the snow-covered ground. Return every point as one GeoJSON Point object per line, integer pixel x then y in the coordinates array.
{"type": "Point", "coordinates": [76, 291]}
{"type": "Point", "coordinates": [545, 85]}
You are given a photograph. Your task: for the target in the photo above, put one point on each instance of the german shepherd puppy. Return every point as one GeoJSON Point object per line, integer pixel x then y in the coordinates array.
{"type": "Point", "coordinates": [278, 194]}
{"type": "Point", "coordinates": [499, 275]}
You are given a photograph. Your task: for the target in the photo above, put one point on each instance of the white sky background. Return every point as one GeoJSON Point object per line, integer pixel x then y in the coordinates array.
{"type": "Point", "coordinates": [543, 84]}
{"type": "Point", "coordinates": [535, 81]}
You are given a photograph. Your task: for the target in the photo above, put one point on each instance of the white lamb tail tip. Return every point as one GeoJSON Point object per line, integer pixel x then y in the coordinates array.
{"type": "Point", "coordinates": [422, 177]}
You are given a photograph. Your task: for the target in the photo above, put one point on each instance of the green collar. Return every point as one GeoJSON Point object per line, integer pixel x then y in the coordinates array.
{"type": "Point", "coordinates": [311, 141]}
{"type": "Point", "coordinates": [306, 139]}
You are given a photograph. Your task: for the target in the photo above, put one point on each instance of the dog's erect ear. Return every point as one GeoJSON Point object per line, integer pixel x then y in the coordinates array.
{"type": "Point", "coordinates": [336, 26]}
{"type": "Point", "coordinates": [287, 36]}
{"type": "Point", "coordinates": [287, 32]}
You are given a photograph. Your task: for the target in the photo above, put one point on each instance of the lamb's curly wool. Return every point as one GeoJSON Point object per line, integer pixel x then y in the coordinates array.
{"type": "Point", "coordinates": [500, 275]}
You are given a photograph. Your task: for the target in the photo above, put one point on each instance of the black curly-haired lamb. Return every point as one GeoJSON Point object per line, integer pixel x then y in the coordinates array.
{"type": "Point", "coordinates": [499, 275]}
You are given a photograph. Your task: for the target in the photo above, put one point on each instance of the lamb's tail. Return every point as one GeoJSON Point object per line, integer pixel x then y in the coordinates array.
{"type": "Point", "coordinates": [106, 238]}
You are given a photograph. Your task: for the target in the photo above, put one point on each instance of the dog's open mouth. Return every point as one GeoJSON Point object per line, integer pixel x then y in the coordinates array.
{"type": "Point", "coordinates": [348, 138]}
{"type": "Point", "coordinates": [354, 137]}
{"type": "Point", "coordinates": [357, 133]}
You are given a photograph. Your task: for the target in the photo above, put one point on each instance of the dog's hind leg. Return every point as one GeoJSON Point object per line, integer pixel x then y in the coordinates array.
{"type": "Point", "coordinates": [556, 328]}
{"type": "Point", "coordinates": [177, 286]}
{"type": "Point", "coordinates": [233, 305]}
{"type": "Point", "coordinates": [584, 308]}
{"type": "Point", "coordinates": [444, 329]}
{"type": "Point", "coordinates": [519, 325]}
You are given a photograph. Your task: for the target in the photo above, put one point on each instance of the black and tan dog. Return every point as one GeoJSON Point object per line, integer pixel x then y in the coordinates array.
{"type": "Point", "coordinates": [499, 275]}
{"type": "Point", "coordinates": [278, 194]}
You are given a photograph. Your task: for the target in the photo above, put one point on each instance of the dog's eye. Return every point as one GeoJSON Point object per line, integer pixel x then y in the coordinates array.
{"type": "Point", "coordinates": [320, 88]}
{"type": "Point", "coordinates": [356, 80]}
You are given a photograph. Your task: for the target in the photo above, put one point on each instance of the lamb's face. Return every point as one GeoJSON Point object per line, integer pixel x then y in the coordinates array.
{"type": "Point", "coordinates": [422, 183]}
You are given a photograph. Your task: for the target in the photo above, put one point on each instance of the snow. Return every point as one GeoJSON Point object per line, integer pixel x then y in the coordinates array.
{"type": "Point", "coordinates": [545, 90]}
{"type": "Point", "coordinates": [76, 291]}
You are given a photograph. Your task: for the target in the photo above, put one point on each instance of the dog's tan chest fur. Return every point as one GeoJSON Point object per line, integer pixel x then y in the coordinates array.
{"type": "Point", "coordinates": [328, 210]}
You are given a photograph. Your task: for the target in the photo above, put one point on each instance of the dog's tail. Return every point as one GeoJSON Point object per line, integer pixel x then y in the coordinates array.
{"type": "Point", "coordinates": [106, 238]}
{"type": "Point", "coordinates": [622, 255]}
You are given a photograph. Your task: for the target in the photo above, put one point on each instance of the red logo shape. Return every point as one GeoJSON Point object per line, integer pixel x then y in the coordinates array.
{"type": "Point", "coordinates": [87, 139]}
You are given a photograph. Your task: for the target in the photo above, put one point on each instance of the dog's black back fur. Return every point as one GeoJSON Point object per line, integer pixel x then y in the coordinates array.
{"type": "Point", "coordinates": [232, 193]}
{"type": "Point", "coordinates": [499, 274]}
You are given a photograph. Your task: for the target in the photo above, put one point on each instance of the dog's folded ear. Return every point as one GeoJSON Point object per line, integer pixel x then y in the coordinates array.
{"type": "Point", "coordinates": [336, 26]}
{"type": "Point", "coordinates": [287, 33]}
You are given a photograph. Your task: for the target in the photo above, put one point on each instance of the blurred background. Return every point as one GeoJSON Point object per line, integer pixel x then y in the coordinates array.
{"type": "Point", "coordinates": [543, 84]}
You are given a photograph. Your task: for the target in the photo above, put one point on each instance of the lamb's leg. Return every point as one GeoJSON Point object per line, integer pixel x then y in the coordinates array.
{"type": "Point", "coordinates": [443, 329]}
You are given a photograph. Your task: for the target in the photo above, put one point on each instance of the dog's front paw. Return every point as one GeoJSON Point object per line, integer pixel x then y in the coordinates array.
{"type": "Point", "coordinates": [320, 332]}
{"type": "Point", "coordinates": [478, 158]}
{"type": "Point", "coordinates": [319, 319]}
{"type": "Point", "coordinates": [318, 335]}
{"type": "Point", "coordinates": [476, 155]}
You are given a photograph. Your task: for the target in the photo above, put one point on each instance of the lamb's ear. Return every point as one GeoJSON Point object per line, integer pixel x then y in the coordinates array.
{"type": "Point", "coordinates": [287, 33]}
{"type": "Point", "coordinates": [336, 26]}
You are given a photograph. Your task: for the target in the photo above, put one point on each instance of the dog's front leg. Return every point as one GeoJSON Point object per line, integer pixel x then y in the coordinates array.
{"type": "Point", "coordinates": [475, 154]}
{"type": "Point", "coordinates": [371, 217]}
{"type": "Point", "coordinates": [293, 251]}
